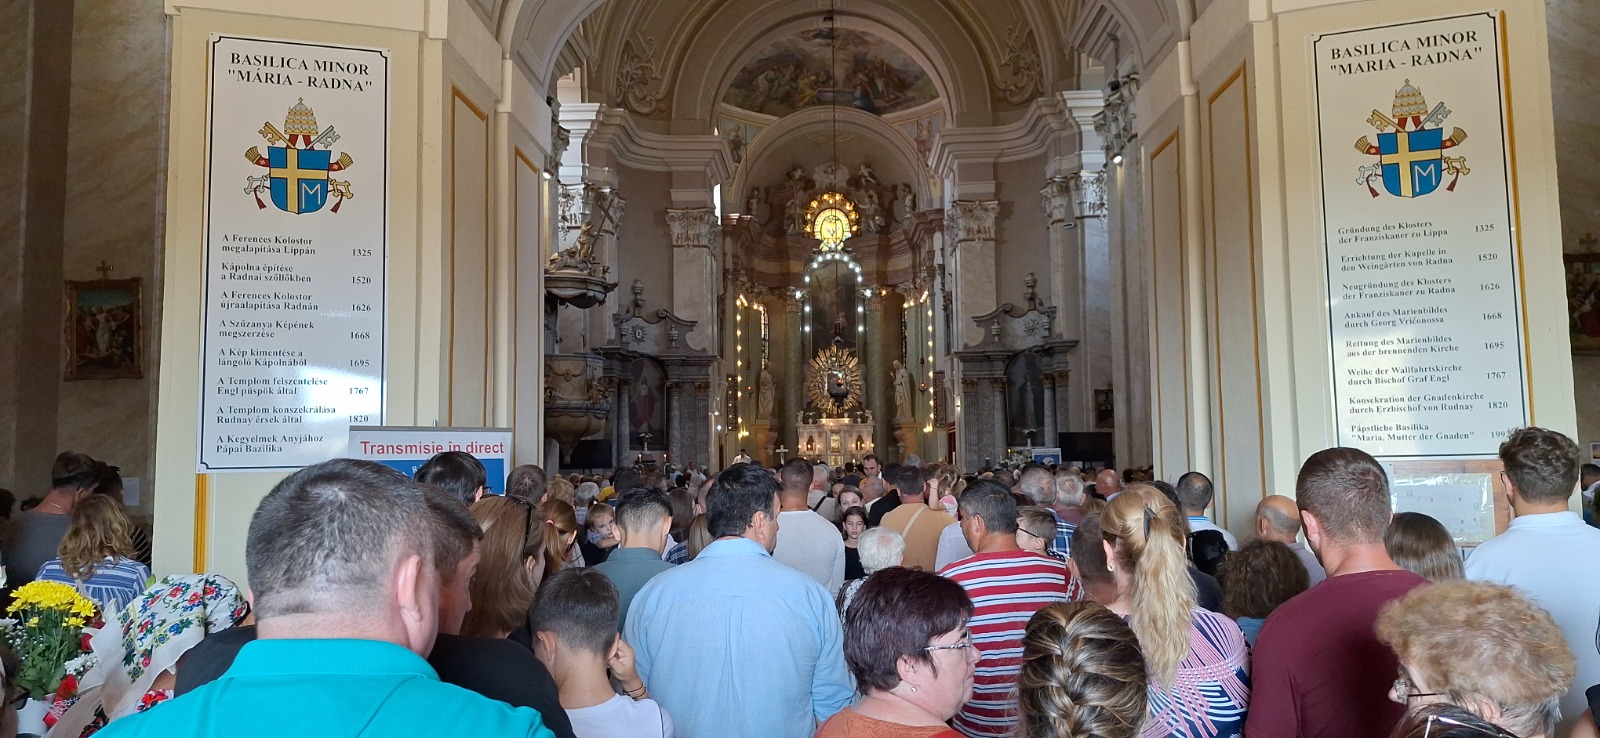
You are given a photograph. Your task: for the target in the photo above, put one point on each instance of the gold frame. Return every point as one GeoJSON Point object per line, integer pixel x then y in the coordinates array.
{"type": "Point", "coordinates": [78, 366]}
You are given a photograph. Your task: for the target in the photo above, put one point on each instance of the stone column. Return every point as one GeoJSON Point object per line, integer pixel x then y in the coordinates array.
{"type": "Point", "coordinates": [38, 60]}
{"type": "Point", "coordinates": [622, 424]}
{"type": "Point", "coordinates": [997, 417]}
{"type": "Point", "coordinates": [969, 229]}
{"type": "Point", "coordinates": [676, 431]}
{"type": "Point", "coordinates": [880, 340]}
{"type": "Point", "coordinates": [969, 435]}
{"type": "Point", "coordinates": [696, 233]}
{"type": "Point", "coordinates": [1050, 408]}
{"type": "Point", "coordinates": [792, 374]}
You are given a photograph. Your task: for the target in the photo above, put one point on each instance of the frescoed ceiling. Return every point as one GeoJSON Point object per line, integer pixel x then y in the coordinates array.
{"type": "Point", "coordinates": [821, 67]}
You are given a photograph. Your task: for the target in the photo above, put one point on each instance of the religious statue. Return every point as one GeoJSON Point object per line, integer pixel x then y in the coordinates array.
{"type": "Point", "coordinates": [908, 200]}
{"type": "Point", "coordinates": [794, 215]}
{"type": "Point", "coordinates": [902, 391]}
{"type": "Point", "coordinates": [867, 177]}
{"type": "Point", "coordinates": [754, 203]}
{"type": "Point", "coordinates": [637, 308]}
{"type": "Point", "coordinates": [766, 392]}
{"type": "Point", "coordinates": [872, 212]}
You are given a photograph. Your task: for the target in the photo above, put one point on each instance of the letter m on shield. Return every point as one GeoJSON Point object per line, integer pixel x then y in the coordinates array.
{"type": "Point", "coordinates": [299, 181]}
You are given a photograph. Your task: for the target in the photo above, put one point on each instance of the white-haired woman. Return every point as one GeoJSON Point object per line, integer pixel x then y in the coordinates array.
{"type": "Point", "coordinates": [879, 548]}
{"type": "Point", "coordinates": [587, 493]}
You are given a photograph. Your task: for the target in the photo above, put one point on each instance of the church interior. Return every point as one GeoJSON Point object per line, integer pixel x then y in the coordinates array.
{"type": "Point", "coordinates": [693, 230]}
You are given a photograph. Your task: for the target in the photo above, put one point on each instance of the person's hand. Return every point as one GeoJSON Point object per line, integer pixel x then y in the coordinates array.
{"type": "Point", "coordinates": [624, 669]}
{"type": "Point", "coordinates": [608, 542]}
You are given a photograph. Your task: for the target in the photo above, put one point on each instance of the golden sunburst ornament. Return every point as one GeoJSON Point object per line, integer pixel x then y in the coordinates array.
{"type": "Point", "coordinates": [834, 382]}
{"type": "Point", "coordinates": [832, 219]}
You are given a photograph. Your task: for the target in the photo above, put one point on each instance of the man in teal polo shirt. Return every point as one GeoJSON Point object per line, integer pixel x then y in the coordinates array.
{"type": "Point", "coordinates": [346, 593]}
{"type": "Point", "coordinates": [645, 516]}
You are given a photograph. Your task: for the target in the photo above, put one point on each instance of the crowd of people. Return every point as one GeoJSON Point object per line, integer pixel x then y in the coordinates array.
{"type": "Point", "coordinates": [876, 600]}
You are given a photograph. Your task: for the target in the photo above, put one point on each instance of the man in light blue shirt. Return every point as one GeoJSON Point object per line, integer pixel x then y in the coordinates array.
{"type": "Point", "coordinates": [1548, 552]}
{"type": "Point", "coordinates": [734, 643]}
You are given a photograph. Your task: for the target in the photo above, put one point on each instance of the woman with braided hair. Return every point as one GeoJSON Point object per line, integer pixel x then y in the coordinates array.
{"type": "Point", "coordinates": [1198, 661]}
{"type": "Point", "coordinates": [1082, 675]}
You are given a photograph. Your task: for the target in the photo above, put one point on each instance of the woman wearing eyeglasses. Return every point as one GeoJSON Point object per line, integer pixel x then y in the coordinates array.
{"type": "Point", "coordinates": [1197, 659]}
{"type": "Point", "coordinates": [1483, 647]}
{"type": "Point", "coordinates": [906, 643]}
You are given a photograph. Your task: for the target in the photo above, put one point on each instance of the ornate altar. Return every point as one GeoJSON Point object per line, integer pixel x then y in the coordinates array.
{"type": "Point", "coordinates": [835, 428]}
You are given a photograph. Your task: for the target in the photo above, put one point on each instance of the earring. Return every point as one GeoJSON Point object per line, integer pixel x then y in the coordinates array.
{"type": "Point", "coordinates": [1109, 567]}
{"type": "Point", "coordinates": [913, 689]}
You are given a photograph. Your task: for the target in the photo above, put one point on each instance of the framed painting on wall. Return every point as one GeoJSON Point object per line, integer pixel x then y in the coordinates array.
{"type": "Point", "coordinates": [102, 330]}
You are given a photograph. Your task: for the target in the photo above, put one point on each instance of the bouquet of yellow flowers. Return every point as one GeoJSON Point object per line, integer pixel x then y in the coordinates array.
{"type": "Point", "coordinates": [45, 631]}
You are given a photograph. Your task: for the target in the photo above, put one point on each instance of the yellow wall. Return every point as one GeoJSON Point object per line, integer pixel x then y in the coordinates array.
{"type": "Point", "coordinates": [1262, 371]}
{"type": "Point", "coordinates": [454, 243]}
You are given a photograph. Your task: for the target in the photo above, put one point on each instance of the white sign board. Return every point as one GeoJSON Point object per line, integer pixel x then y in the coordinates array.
{"type": "Point", "coordinates": [406, 448]}
{"type": "Point", "coordinates": [1418, 215]}
{"type": "Point", "coordinates": [296, 229]}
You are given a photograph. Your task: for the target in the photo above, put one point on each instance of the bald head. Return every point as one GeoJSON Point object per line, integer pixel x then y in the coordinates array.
{"type": "Point", "coordinates": [1107, 483]}
{"type": "Point", "coordinates": [1277, 519]}
{"type": "Point", "coordinates": [873, 488]}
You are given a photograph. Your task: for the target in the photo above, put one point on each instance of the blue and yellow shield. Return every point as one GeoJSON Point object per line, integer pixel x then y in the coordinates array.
{"type": "Point", "coordinates": [1411, 165]}
{"type": "Point", "coordinates": [300, 178]}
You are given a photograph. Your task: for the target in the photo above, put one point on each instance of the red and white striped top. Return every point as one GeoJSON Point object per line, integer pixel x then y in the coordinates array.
{"type": "Point", "coordinates": [1006, 588]}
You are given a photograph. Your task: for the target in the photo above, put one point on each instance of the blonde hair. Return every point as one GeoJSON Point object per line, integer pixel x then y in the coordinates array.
{"type": "Point", "coordinates": [501, 591]}
{"type": "Point", "coordinates": [1147, 533]}
{"type": "Point", "coordinates": [563, 490]}
{"type": "Point", "coordinates": [699, 536]}
{"type": "Point", "coordinates": [1082, 675]}
{"type": "Point", "coordinates": [100, 528]}
{"type": "Point", "coordinates": [1474, 640]}
{"type": "Point", "coordinates": [559, 520]}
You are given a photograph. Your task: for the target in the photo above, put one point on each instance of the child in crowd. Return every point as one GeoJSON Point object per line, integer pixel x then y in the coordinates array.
{"type": "Point", "coordinates": [1036, 528]}
{"type": "Point", "coordinates": [575, 635]}
{"type": "Point", "coordinates": [601, 537]}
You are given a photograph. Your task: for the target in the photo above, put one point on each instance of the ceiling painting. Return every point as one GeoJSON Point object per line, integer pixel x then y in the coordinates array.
{"type": "Point", "coordinates": [823, 67]}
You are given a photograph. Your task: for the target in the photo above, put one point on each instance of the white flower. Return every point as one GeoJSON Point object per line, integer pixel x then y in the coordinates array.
{"type": "Point", "coordinates": [81, 665]}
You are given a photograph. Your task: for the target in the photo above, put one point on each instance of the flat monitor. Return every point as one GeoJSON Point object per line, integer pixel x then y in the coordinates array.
{"type": "Point", "coordinates": [1094, 447]}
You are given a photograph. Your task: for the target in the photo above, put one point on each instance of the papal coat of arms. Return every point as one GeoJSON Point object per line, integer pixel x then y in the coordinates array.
{"type": "Point", "coordinates": [299, 163]}
{"type": "Point", "coordinates": [1410, 148]}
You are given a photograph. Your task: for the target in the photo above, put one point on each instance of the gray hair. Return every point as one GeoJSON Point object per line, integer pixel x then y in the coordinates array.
{"type": "Point", "coordinates": [1278, 521]}
{"type": "Point", "coordinates": [1037, 483]}
{"type": "Point", "coordinates": [588, 492]}
{"type": "Point", "coordinates": [1069, 488]}
{"type": "Point", "coordinates": [880, 548]}
{"type": "Point", "coordinates": [326, 538]}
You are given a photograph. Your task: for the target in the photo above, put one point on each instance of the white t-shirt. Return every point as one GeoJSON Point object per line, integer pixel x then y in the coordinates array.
{"type": "Point", "coordinates": [1551, 558]}
{"type": "Point", "coordinates": [952, 547]}
{"type": "Point", "coordinates": [809, 543]}
{"type": "Point", "coordinates": [620, 717]}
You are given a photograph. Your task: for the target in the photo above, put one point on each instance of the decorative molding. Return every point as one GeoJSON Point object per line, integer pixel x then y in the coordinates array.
{"type": "Point", "coordinates": [1088, 194]}
{"type": "Point", "coordinates": [1056, 199]}
{"type": "Point", "coordinates": [660, 334]}
{"type": "Point", "coordinates": [1023, 63]}
{"type": "Point", "coordinates": [1115, 123]}
{"type": "Point", "coordinates": [969, 385]}
{"type": "Point", "coordinates": [618, 133]}
{"type": "Point", "coordinates": [693, 227]}
{"type": "Point", "coordinates": [638, 80]}
{"type": "Point", "coordinates": [971, 220]}
{"type": "Point", "coordinates": [1042, 125]}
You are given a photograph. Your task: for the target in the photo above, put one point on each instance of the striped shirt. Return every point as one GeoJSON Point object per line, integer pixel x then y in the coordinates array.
{"type": "Point", "coordinates": [1006, 588]}
{"type": "Point", "coordinates": [116, 582]}
{"type": "Point", "coordinates": [1211, 689]}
